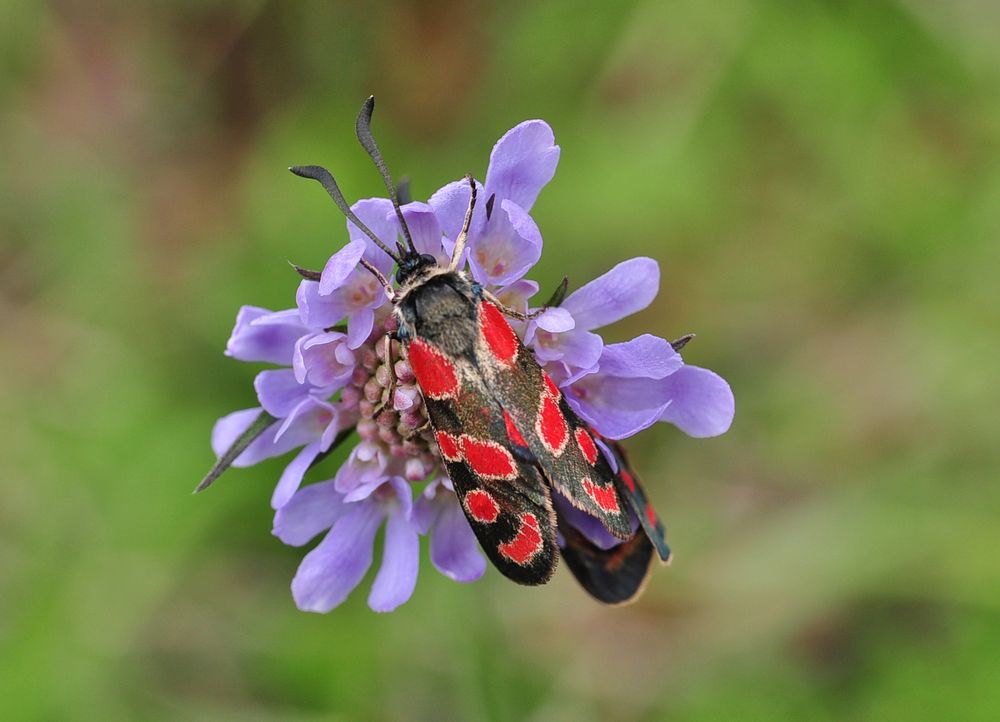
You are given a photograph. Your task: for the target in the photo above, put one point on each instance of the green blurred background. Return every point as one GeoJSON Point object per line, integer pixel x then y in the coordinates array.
{"type": "Point", "coordinates": [820, 181]}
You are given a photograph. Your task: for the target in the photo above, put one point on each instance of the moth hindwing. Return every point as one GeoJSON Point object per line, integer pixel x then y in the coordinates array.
{"type": "Point", "coordinates": [617, 575]}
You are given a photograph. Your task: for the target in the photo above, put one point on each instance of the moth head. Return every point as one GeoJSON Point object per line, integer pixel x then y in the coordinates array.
{"type": "Point", "coordinates": [412, 265]}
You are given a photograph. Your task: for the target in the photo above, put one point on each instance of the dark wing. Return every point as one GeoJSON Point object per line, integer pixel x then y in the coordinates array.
{"type": "Point", "coordinates": [617, 575]}
{"type": "Point", "coordinates": [631, 489]}
{"type": "Point", "coordinates": [502, 493]}
{"type": "Point", "coordinates": [563, 447]}
{"type": "Point", "coordinates": [613, 576]}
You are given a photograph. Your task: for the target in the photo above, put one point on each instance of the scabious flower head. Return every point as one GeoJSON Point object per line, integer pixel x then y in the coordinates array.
{"type": "Point", "coordinates": [340, 373]}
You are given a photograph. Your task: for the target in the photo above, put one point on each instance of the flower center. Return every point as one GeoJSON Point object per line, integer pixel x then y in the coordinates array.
{"type": "Point", "coordinates": [362, 293]}
{"type": "Point", "coordinates": [494, 265]}
{"type": "Point", "coordinates": [391, 408]}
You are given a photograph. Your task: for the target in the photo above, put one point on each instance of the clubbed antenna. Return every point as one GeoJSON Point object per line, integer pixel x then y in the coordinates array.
{"type": "Point", "coordinates": [363, 128]}
{"type": "Point", "coordinates": [318, 173]}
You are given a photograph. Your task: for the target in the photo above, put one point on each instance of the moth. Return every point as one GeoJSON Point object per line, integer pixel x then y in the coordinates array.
{"type": "Point", "coordinates": [506, 434]}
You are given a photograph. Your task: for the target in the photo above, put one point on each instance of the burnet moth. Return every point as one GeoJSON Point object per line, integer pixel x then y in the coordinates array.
{"type": "Point", "coordinates": [506, 434]}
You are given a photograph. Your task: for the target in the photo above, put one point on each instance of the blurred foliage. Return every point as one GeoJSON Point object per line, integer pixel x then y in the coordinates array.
{"type": "Point", "coordinates": [820, 181]}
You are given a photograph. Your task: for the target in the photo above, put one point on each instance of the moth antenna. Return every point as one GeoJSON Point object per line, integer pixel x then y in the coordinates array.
{"type": "Point", "coordinates": [326, 179]}
{"type": "Point", "coordinates": [363, 128]}
{"type": "Point", "coordinates": [463, 236]}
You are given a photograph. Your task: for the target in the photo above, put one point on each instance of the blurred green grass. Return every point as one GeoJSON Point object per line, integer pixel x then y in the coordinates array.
{"type": "Point", "coordinates": [819, 180]}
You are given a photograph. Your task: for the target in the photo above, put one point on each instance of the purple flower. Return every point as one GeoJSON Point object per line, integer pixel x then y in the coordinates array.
{"type": "Point", "coordinates": [336, 566]}
{"type": "Point", "coordinates": [504, 242]}
{"type": "Point", "coordinates": [454, 549]}
{"type": "Point", "coordinates": [338, 371]}
{"type": "Point", "coordinates": [262, 335]}
{"type": "Point", "coordinates": [568, 340]}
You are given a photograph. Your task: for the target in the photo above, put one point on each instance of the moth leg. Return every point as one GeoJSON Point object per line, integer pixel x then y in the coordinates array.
{"type": "Point", "coordinates": [513, 313]}
{"type": "Point", "coordinates": [383, 281]}
{"type": "Point", "coordinates": [390, 387]}
{"type": "Point", "coordinates": [463, 236]}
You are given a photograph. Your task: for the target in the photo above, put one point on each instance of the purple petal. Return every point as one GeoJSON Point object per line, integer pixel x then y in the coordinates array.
{"type": "Point", "coordinates": [334, 568]}
{"type": "Point", "coordinates": [625, 289]}
{"type": "Point", "coordinates": [522, 162]}
{"type": "Point", "coordinates": [702, 403]}
{"type": "Point", "coordinates": [365, 488]}
{"type": "Point", "coordinates": [260, 335]}
{"type": "Point", "coordinates": [450, 204]}
{"type": "Point", "coordinates": [645, 356]}
{"type": "Point", "coordinates": [365, 463]}
{"type": "Point", "coordinates": [578, 349]}
{"type": "Point", "coordinates": [323, 359]}
{"type": "Point", "coordinates": [397, 576]}
{"type": "Point", "coordinates": [279, 391]}
{"type": "Point", "coordinates": [619, 407]}
{"type": "Point", "coordinates": [291, 478]}
{"type": "Point", "coordinates": [509, 246]}
{"type": "Point", "coordinates": [340, 265]}
{"type": "Point", "coordinates": [586, 524]}
{"type": "Point", "coordinates": [229, 428]}
{"type": "Point", "coordinates": [359, 327]}
{"type": "Point", "coordinates": [376, 214]}
{"type": "Point", "coordinates": [311, 510]}
{"type": "Point", "coordinates": [454, 549]}
{"type": "Point", "coordinates": [428, 506]}
{"type": "Point", "coordinates": [318, 312]}
{"type": "Point", "coordinates": [425, 230]}
{"type": "Point", "coordinates": [516, 295]}
{"type": "Point", "coordinates": [555, 320]}
{"type": "Point", "coordinates": [306, 422]}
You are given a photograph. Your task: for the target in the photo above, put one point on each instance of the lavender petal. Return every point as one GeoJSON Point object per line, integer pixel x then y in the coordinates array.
{"type": "Point", "coordinates": [645, 356]}
{"type": "Point", "coordinates": [311, 510]}
{"type": "Point", "coordinates": [359, 327]}
{"type": "Point", "coordinates": [702, 403]}
{"type": "Point", "coordinates": [522, 162]}
{"type": "Point", "coordinates": [509, 246]}
{"type": "Point", "coordinates": [425, 230]}
{"type": "Point", "coordinates": [318, 312]}
{"type": "Point", "coordinates": [291, 478]}
{"type": "Point", "coordinates": [263, 335]}
{"type": "Point", "coordinates": [340, 265]}
{"type": "Point", "coordinates": [337, 565]}
{"type": "Point", "coordinates": [450, 204]}
{"type": "Point", "coordinates": [375, 213]}
{"type": "Point", "coordinates": [279, 392]}
{"type": "Point", "coordinates": [397, 576]}
{"type": "Point", "coordinates": [454, 549]}
{"type": "Point", "coordinates": [627, 288]}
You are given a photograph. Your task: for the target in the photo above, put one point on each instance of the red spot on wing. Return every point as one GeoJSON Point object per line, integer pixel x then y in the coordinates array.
{"type": "Point", "coordinates": [434, 371]}
{"type": "Point", "coordinates": [482, 506]}
{"type": "Point", "coordinates": [448, 445]}
{"type": "Point", "coordinates": [497, 333]}
{"type": "Point", "coordinates": [550, 385]}
{"type": "Point", "coordinates": [627, 478]}
{"type": "Point", "coordinates": [512, 433]}
{"type": "Point", "coordinates": [651, 515]}
{"type": "Point", "coordinates": [603, 496]}
{"type": "Point", "coordinates": [488, 458]}
{"type": "Point", "coordinates": [526, 543]}
{"type": "Point", "coordinates": [551, 426]}
{"type": "Point", "coordinates": [587, 445]}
